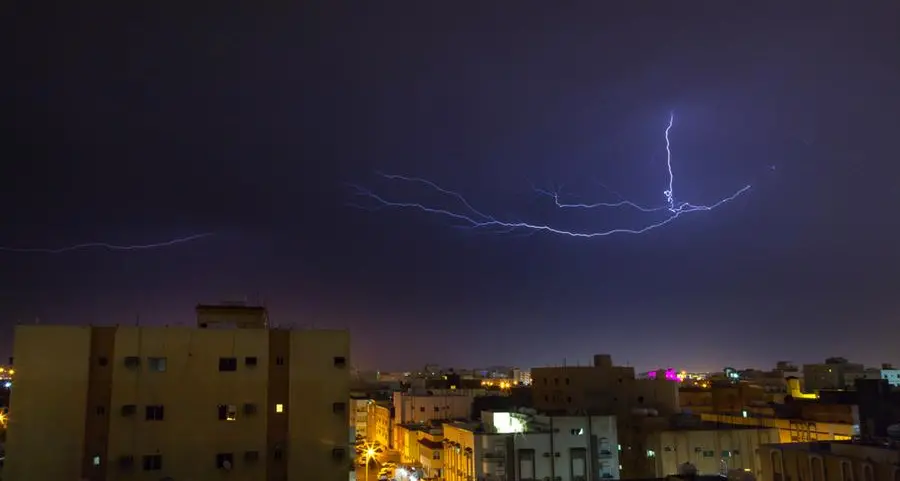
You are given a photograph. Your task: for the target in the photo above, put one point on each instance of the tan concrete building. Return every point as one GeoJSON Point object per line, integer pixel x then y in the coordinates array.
{"type": "Point", "coordinates": [380, 424]}
{"type": "Point", "coordinates": [712, 449]}
{"type": "Point", "coordinates": [420, 407]}
{"type": "Point", "coordinates": [121, 403]}
{"type": "Point", "coordinates": [829, 461]}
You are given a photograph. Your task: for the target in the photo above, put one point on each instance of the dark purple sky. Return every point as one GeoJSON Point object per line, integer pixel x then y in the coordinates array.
{"type": "Point", "coordinates": [133, 126]}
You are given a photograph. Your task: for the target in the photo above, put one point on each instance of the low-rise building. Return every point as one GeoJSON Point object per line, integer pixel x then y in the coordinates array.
{"type": "Point", "coordinates": [710, 447]}
{"type": "Point", "coordinates": [525, 445]}
{"type": "Point", "coordinates": [425, 406]}
{"type": "Point", "coordinates": [830, 461]}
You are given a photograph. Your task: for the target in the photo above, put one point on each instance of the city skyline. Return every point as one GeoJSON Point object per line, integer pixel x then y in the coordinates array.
{"type": "Point", "coordinates": [250, 125]}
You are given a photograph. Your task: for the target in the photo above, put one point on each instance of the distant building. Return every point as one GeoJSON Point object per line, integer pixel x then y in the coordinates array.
{"type": "Point", "coordinates": [834, 373]}
{"type": "Point", "coordinates": [892, 376]}
{"type": "Point", "coordinates": [180, 402]}
{"type": "Point", "coordinates": [606, 389]}
{"type": "Point", "coordinates": [531, 446]}
{"type": "Point", "coordinates": [424, 406]}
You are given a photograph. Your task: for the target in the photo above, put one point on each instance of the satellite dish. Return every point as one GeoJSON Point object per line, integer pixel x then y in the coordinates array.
{"type": "Point", "coordinates": [687, 469]}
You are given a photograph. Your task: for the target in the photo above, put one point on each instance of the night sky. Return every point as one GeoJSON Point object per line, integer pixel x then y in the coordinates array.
{"type": "Point", "coordinates": [140, 126]}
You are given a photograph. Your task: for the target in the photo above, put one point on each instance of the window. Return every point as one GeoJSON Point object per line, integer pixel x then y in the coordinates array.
{"type": "Point", "coordinates": [152, 462]}
{"type": "Point", "coordinates": [578, 432]}
{"type": "Point", "coordinates": [157, 364]}
{"type": "Point", "coordinates": [437, 409]}
{"type": "Point", "coordinates": [422, 409]}
{"type": "Point", "coordinates": [340, 408]}
{"type": "Point", "coordinates": [225, 460]}
{"type": "Point", "coordinates": [102, 361]}
{"type": "Point", "coordinates": [279, 361]}
{"type": "Point", "coordinates": [340, 361]}
{"type": "Point", "coordinates": [337, 454]}
{"type": "Point", "coordinates": [227, 412]}
{"type": "Point", "coordinates": [129, 410]}
{"type": "Point", "coordinates": [251, 456]}
{"type": "Point", "coordinates": [436, 455]}
{"type": "Point", "coordinates": [101, 410]}
{"type": "Point", "coordinates": [132, 362]}
{"type": "Point", "coordinates": [708, 454]}
{"type": "Point", "coordinates": [279, 408]}
{"type": "Point", "coordinates": [227, 364]}
{"type": "Point", "coordinates": [250, 361]}
{"type": "Point", "coordinates": [154, 413]}
{"type": "Point", "coordinates": [96, 461]}
{"type": "Point", "coordinates": [249, 408]}
{"type": "Point", "coordinates": [567, 381]}
{"type": "Point", "coordinates": [277, 454]}
{"type": "Point", "coordinates": [126, 462]}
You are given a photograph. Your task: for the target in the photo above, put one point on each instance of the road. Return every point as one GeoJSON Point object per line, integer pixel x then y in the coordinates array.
{"type": "Point", "coordinates": [373, 472]}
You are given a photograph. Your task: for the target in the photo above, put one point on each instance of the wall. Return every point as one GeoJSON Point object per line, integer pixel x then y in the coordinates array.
{"type": "Point", "coordinates": [789, 430]}
{"type": "Point", "coordinates": [711, 451]}
{"type": "Point", "coordinates": [412, 408]}
{"type": "Point", "coordinates": [45, 436]}
{"type": "Point", "coordinates": [823, 462]}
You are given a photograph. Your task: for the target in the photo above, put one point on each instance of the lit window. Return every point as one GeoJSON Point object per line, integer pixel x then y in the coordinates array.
{"type": "Point", "coordinates": [279, 408]}
{"type": "Point", "coordinates": [227, 412]}
{"type": "Point", "coordinates": [96, 460]}
{"type": "Point", "coordinates": [650, 453]}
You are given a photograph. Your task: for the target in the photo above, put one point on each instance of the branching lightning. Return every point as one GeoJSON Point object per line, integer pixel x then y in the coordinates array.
{"type": "Point", "coordinates": [105, 246]}
{"type": "Point", "coordinates": [469, 217]}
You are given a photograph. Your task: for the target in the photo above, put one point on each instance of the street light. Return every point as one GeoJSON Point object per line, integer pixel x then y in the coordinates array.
{"type": "Point", "coordinates": [370, 453]}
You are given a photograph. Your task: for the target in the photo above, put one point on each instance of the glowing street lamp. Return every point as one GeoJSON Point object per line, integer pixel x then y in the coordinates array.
{"type": "Point", "coordinates": [370, 453]}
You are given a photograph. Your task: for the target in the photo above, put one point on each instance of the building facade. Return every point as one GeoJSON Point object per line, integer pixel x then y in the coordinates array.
{"type": "Point", "coordinates": [359, 416]}
{"type": "Point", "coordinates": [380, 424]}
{"type": "Point", "coordinates": [422, 407]}
{"type": "Point", "coordinates": [711, 449]}
{"type": "Point", "coordinates": [119, 403]}
{"type": "Point", "coordinates": [530, 446]}
{"type": "Point", "coordinates": [829, 461]}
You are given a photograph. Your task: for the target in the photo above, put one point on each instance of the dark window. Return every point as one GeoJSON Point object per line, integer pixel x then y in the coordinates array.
{"type": "Point", "coordinates": [339, 408]}
{"type": "Point", "coordinates": [437, 409]}
{"type": "Point", "coordinates": [567, 381]}
{"type": "Point", "coordinates": [340, 361]}
{"type": "Point", "coordinates": [101, 410]}
{"type": "Point", "coordinates": [225, 460]}
{"type": "Point", "coordinates": [337, 454]}
{"type": "Point", "coordinates": [640, 400]}
{"type": "Point", "coordinates": [277, 454]}
{"type": "Point", "coordinates": [568, 399]}
{"type": "Point", "coordinates": [157, 364]}
{"type": "Point", "coordinates": [132, 361]}
{"type": "Point", "coordinates": [126, 462]}
{"type": "Point", "coordinates": [251, 456]}
{"type": "Point", "coordinates": [152, 462]}
{"type": "Point", "coordinates": [279, 360]}
{"type": "Point", "coordinates": [249, 408]}
{"type": "Point", "coordinates": [422, 409]}
{"type": "Point", "coordinates": [154, 413]}
{"type": "Point", "coordinates": [102, 361]}
{"type": "Point", "coordinates": [227, 364]}
{"type": "Point", "coordinates": [250, 361]}
{"type": "Point", "coordinates": [129, 410]}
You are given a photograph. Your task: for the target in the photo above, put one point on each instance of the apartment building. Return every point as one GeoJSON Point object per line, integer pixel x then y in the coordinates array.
{"type": "Point", "coordinates": [359, 416]}
{"type": "Point", "coordinates": [120, 403]}
{"type": "Point", "coordinates": [712, 449]}
{"type": "Point", "coordinates": [380, 424]}
{"type": "Point", "coordinates": [530, 446]}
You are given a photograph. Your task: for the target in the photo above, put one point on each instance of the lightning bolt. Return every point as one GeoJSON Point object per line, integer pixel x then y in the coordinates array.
{"type": "Point", "coordinates": [106, 246]}
{"type": "Point", "coordinates": [468, 216]}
